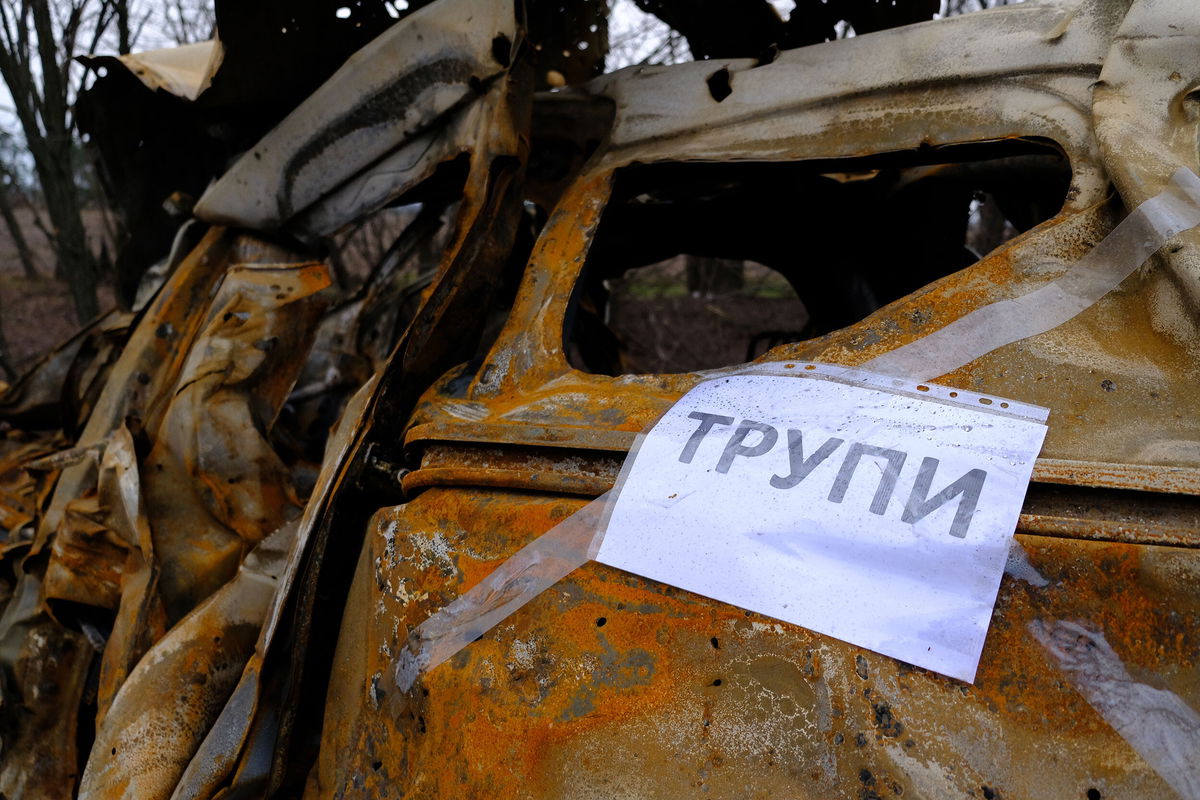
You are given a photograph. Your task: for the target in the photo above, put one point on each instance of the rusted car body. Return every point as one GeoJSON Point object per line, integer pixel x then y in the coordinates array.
{"type": "Point", "coordinates": [611, 684]}
{"type": "Point", "coordinates": [255, 635]}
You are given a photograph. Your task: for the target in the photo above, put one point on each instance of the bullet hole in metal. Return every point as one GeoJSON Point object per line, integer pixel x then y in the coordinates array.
{"type": "Point", "coordinates": [716, 644]}
{"type": "Point", "coordinates": [887, 724]}
{"type": "Point", "coordinates": [719, 85]}
{"type": "Point", "coordinates": [502, 50]}
{"type": "Point", "coordinates": [768, 56]}
{"type": "Point", "coordinates": [600, 622]}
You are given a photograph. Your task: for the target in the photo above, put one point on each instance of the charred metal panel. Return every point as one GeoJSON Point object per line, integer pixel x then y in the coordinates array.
{"type": "Point", "coordinates": [368, 108]}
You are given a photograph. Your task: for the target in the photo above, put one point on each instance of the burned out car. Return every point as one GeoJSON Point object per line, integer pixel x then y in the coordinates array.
{"type": "Point", "coordinates": [230, 639]}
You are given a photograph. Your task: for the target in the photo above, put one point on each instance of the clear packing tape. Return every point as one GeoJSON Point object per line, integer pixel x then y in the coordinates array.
{"type": "Point", "coordinates": [575, 541]}
{"type": "Point", "coordinates": [531, 570]}
{"type": "Point", "coordinates": [1102, 269]}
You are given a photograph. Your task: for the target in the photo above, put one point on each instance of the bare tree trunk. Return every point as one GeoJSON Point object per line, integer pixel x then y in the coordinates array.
{"type": "Point", "coordinates": [124, 40]}
{"type": "Point", "coordinates": [5, 356]}
{"type": "Point", "coordinates": [18, 236]}
{"type": "Point", "coordinates": [34, 65]}
{"type": "Point", "coordinates": [75, 258]}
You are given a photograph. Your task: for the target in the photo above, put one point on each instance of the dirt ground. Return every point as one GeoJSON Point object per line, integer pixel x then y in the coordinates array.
{"type": "Point", "coordinates": [681, 334]}
{"type": "Point", "coordinates": [662, 327]}
{"type": "Point", "coordinates": [36, 314]}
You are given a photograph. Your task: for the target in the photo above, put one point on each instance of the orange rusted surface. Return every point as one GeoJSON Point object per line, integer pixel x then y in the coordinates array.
{"type": "Point", "coordinates": [608, 684]}
{"type": "Point", "coordinates": [212, 360]}
{"type": "Point", "coordinates": [609, 680]}
{"type": "Point", "coordinates": [23, 491]}
{"type": "Point", "coordinates": [166, 706]}
{"type": "Point", "coordinates": [219, 487]}
{"type": "Point", "coordinates": [229, 612]}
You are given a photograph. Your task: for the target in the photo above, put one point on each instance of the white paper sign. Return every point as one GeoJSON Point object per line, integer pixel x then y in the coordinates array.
{"type": "Point", "coordinates": [834, 500]}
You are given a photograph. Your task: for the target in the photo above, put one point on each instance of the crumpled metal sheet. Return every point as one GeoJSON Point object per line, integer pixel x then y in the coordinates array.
{"type": "Point", "coordinates": [141, 617]}
{"type": "Point", "coordinates": [170, 485]}
{"type": "Point", "coordinates": [43, 666]}
{"type": "Point", "coordinates": [233, 749]}
{"type": "Point", "coordinates": [24, 489]}
{"type": "Point", "coordinates": [183, 71]}
{"type": "Point", "coordinates": [60, 389]}
{"type": "Point", "coordinates": [148, 363]}
{"type": "Point", "coordinates": [175, 478]}
{"type": "Point", "coordinates": [165, 708]}
{"type": "Point", "coordinates": [214, 486]}
{"type": "Point", "coordinates": [446, 55]}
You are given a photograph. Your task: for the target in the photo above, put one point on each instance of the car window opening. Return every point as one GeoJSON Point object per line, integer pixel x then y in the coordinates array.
{"type": "Point", "coordinates": [698, 266]}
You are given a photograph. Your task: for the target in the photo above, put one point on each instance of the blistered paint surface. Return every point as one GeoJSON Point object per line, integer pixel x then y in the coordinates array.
{"type": "Point", "coordinates": [610, 684]}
